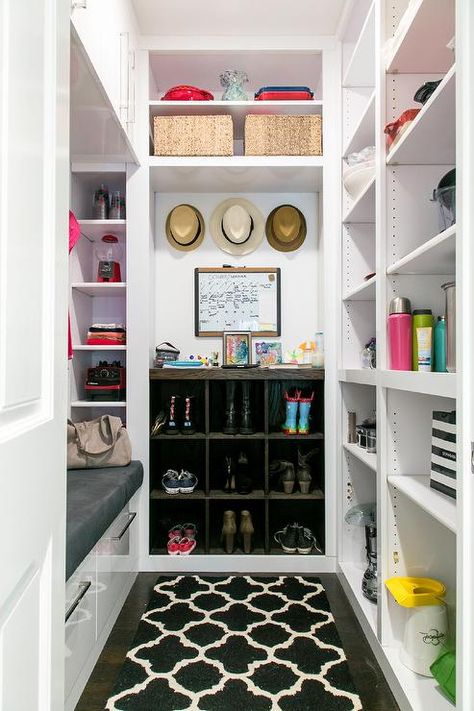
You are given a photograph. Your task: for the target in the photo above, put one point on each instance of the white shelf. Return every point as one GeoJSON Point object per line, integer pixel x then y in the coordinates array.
{"type": "Point", "coordinates": [431, 137]}
{"type": "Point", "coordinates": [423, 692]}
{"type": "Point", "coordinates": [237, 109]}
{"type": "Point", "coordinates": [90, 403]}
{"type": "Point", "coordinates": [363, 207]}
{"type": "Point", "coordinates": [417, 488]}
{"type": "Point", "coordinates": [99, 348]}
{"type": "Point", "coordinates": [419, 44]}
{"type": "Point", "coordinates": [359, 376]}
{"type": "Point", "coordinates": [266, 174]}
{"type": "Point", "coordinates": [362, 292]}
{"type": "Point", "coordinates": [361, 68]}
{"type": "Point", "coordinates": [368, 458]}
{"type": "Point", "coordinates": [439, 384]}
{"type": "Point", "coordinates": [353, 579]}
{"type": "Point", "coordinates": [95, 229]}
{"type": "Point", "coordinates": [436, 256]}
{"type": "Point", "coordinates": [108, 289]}
{"type": "Point", "coordinates": [364, 132]}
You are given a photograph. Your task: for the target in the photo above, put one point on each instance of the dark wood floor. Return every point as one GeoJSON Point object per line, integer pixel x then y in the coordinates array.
{"type": "Point", "coordinates": [368, 678]}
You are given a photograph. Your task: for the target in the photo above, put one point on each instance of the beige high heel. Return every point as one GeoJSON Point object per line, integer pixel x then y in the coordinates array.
{"type": "Point", "coordinates": [229, 529]}
{"type": "Point", "coordinates": [246, 530]}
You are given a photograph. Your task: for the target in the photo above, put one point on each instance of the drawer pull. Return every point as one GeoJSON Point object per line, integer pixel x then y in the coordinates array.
{"type": "Point", "coordinates": [131, 516]}
{"type": "Point", "coordinates": [83, 588]}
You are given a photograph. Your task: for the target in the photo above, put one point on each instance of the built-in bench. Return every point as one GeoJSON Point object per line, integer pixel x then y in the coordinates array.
{"type": "Point", "coordinates": [101, 563]}
{"type": "Point", "coordinates": [95, 497]}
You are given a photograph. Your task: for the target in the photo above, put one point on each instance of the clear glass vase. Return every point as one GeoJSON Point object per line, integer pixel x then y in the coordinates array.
{"type": "Point", "coordinates": [233, 82]}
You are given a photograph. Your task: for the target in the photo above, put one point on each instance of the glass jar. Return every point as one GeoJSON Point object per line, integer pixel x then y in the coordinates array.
{"type": "Point", "coordinates": [100, 203]}
{"type": "Point", "coordinates": [117, 206]}
{"type": "Point", "coordinates": [108, 251]}
{"type": "Point", "coordinates": [318, 355]}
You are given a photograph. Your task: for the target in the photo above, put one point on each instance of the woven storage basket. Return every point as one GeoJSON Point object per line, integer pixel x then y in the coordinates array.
{"type": "Point", "coordinates": [193, 135]}
{"type": "Point", "coordinates": [282, 135]}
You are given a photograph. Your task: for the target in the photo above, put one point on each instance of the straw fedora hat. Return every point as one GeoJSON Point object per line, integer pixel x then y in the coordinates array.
{"type": "Point", "coordinates": [286, 228]}
{"type": "Point", "coordinates": [185, 228]}
{"type": "Point", "coordinates": [237, 226]}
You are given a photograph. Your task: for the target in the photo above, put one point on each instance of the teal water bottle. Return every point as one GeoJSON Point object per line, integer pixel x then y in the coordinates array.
{"type": "Point", "coordinates": [440, 345]}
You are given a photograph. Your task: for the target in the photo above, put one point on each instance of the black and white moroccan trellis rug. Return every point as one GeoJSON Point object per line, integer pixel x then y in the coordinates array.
{"type": "Point", "coordinates": [236, 644]}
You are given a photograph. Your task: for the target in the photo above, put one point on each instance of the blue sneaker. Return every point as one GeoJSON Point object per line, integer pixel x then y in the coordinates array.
{"type": "Point", "coordinates": [170, 482]}
{"type": "Point", "coordinates": [187, 482]}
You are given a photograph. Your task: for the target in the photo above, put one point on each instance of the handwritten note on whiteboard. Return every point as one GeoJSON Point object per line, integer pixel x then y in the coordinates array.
{"type": "Point", "coordinates": [237, 300]}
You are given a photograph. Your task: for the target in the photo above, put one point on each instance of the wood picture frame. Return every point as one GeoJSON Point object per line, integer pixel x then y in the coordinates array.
{"type": "Point", "coordinates": [237, 299]}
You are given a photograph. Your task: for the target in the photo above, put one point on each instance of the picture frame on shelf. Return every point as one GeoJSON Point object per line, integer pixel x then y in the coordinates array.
{"type": "Point", "coordinates": [267, 353]}
{"type": "Point", "coordinates": [236, 348]}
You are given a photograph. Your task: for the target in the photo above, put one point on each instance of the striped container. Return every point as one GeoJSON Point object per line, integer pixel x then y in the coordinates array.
{"type": "Point", "coordinates": [443, 453]}
{"type": "Point", "coordinates": [267, 135]}
{"type": "Point", "coordinates": [193, 135]}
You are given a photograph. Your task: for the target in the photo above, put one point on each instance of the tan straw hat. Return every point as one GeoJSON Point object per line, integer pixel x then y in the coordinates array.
{"type": "Point", "coordinates": [237, 226]}
{"type": "Point", "coordinates": [185, 228]}
{"type": "Point", "coordinates": [286, 228]}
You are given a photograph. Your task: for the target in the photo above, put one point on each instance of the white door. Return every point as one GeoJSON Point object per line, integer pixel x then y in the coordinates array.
{"type": "Point", "coordinates": [34, 192]}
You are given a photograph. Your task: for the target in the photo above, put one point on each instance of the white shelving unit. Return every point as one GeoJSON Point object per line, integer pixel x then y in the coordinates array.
{"type": "Point", "coordinates": [417, 526]}
{"type": "Point", "coordinates": [361, 68]}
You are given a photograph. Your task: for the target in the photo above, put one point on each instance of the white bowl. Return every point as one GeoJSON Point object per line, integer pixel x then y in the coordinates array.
{"type": "Point", "coordinates": [357, 177]}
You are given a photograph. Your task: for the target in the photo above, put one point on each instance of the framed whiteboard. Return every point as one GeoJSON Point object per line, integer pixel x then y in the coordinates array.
{"type": "Point", "coordinates": [237, 299]}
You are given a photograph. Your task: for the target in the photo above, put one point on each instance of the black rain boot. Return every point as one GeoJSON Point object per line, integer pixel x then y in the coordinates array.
{"type": "Point", "coordinates": [230, 426]}
{"type": "Point", "coordinates": [243, 480]}
{"type": "Point", "coordinates": [172, 424]}
{"type": "Point", "coordinates": [246, 426]}
{"type": "Point", "coordinates": [229, 476]}
{"type": "Point", "coordinates": [188, 426]}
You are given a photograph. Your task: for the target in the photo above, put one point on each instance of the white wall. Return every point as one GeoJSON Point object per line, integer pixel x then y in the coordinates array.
{"type": "Point", "coordinates": [174, 272]}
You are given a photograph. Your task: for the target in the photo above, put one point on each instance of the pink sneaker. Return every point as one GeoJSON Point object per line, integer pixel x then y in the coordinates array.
{"type": "Point", "coordinates": [189, 530]}
{"type": "Point", "coordinates": [175, 532]}
{"type": "Point", "coordinates": [187, 545]}
{"type": "Point", "coordinates": [174, 545]}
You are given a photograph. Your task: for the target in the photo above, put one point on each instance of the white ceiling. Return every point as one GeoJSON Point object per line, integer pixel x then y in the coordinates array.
{"type": "Point", "coordinates": [238, 17]}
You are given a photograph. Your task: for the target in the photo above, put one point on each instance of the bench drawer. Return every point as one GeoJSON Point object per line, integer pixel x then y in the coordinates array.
{"type": "Point", "coordinates": [116, 562]}
{"type": "Point", "coordinates": [80, 613]}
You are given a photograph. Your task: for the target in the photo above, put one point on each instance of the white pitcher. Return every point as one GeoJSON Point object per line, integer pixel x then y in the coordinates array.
{"type": "Point", "coordinates": [426, 633]}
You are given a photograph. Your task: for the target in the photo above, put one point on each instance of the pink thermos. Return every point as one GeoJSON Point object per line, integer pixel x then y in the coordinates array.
{"type": "Point", "coordinates": [399, 334]}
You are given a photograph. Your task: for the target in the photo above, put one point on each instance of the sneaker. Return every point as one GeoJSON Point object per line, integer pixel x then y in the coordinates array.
{"type": "Point", "coordinates": [173, 545]}
{"type": "Point", "coordinates": [170, 482]}
{"type": "Point", "coordinates": [187, 482]}
{"type": "Point", "coordinates": [305, 541]}
{"type": "Point", "coordinates": [187, 545]}
{"type": "Point", "coordinates": [288, 538]}
{"type": "Point", "coordinates": [189, 530]}
{"type": "Point", "coordinates": [175, 532]}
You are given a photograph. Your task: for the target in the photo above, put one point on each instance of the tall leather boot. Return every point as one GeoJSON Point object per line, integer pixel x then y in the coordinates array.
{"type": "Point", "coordinates": [246, 426]}
{"type": "Point", "coordinates": [243, 480]}
{"type": "Point", "coordinates": [230, 426]}
{"type": "Point", "coordinates": [246, 530]}
{"type": "Point", "coordinates": [229, 529]}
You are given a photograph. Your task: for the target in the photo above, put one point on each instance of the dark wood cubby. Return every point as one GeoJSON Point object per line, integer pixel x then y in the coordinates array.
{"type": "Point", "coordinates": [203, 453]}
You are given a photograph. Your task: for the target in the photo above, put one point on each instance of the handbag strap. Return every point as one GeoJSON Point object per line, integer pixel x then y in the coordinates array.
{"type": "Point", "coordinates": [109, 428]}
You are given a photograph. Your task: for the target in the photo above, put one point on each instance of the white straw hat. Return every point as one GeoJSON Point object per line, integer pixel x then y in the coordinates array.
{"type": "Point", "coordinates": [237, 226]}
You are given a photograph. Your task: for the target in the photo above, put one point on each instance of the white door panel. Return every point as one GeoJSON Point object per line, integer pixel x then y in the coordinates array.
{"type": "Point", "coordinates": [34, 191]}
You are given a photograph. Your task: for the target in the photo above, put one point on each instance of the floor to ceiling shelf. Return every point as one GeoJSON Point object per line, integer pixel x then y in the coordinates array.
{"type": "Point", "coordinates": [417, 488]}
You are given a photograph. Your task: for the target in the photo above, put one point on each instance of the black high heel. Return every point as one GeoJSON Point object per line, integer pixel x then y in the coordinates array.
{"type": "Point", "coordinates": [229, 473]}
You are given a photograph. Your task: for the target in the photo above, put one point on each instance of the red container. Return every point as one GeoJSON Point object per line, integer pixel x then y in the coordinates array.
{"type": "Point", "coordinates": [284, 96]}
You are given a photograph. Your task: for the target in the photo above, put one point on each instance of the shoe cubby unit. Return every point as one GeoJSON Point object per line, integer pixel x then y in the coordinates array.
{"type": "Point", "coordinates": [237, 421]}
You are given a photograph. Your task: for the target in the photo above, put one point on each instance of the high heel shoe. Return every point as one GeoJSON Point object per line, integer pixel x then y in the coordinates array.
{"type": "Point", "coordinates": [229, 476]}
{"type": "Point", "coordinates": [246, 531]}
{"type": "Point", "coordinates": [229, 529]}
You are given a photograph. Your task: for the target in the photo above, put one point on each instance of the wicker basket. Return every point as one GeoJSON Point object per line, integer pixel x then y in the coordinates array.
{"type": "Point", "coordinates": [193, 135]}
{"type": "Point", "coordinates": [267, 135]}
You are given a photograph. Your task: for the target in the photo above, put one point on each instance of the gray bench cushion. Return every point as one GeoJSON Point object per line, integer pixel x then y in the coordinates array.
{"type": "Point", "coordinates": [95, 497]}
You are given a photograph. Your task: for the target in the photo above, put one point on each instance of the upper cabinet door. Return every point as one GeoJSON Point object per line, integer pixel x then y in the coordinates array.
{"type": "Point", "coordinates": [107, 30]}
{"type": "Point", "coordinates": [34, 197]}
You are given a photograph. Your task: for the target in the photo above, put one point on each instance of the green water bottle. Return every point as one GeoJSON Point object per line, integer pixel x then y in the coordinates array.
{"type": "Point", "coordinates": [440, 345]}
{"type": "Point", "coordinates": [422, 318]}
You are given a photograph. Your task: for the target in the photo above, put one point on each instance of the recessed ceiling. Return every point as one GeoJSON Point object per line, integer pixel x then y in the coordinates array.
{"type": "Point", "coordinates": [238, 17]}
